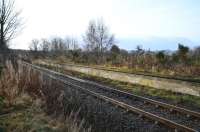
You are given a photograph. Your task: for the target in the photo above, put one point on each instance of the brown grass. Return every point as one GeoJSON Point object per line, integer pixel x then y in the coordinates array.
{"type": "Point", "coordinates": [11, 83]}
{"type": "Point", "coordinates": [19, 82]}
{"type": "Point", "coordinates": [34, 119]}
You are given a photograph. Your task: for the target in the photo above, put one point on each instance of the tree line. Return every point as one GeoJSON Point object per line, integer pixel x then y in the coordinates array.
{"type": "Point", "coordinates": [98, 41]}
{"type": "Point", "coordinates": [100, 48]}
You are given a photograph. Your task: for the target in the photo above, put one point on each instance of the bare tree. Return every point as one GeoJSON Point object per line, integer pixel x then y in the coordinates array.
{"type": "Point", "coordinates": [71, 43]}
{"type": "Point", "coordinates": [34, 45]}
{"type": "Point", "coordinates": [98, 39]}
{"type": "Point", "coordinates": [45, 45]}
{"type": "Point", "coordinates": [58, 45]}
{"type": "Point", "coordinates": [10, 22]}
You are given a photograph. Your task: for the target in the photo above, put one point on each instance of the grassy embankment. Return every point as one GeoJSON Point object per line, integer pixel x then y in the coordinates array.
{"type": "Point", "coordinates": [28, 115]}
{"type": "Point", "coordinates": [168, 96]}
{"type": "Point", "coordinates": [21, 111]}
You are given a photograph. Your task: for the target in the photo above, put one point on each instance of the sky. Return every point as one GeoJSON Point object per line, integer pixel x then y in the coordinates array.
{"type": "Point", "coordinates": [130, 20]}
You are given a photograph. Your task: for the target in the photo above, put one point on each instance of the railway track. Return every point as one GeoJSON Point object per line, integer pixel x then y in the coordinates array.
{"type": "Point", "coordinates": [187, 79]}
{"type": "Point", "coordinates": [174, 117]}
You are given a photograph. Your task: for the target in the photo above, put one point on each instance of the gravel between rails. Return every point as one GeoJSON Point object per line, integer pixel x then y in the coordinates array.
{"type": "Point", "coordinates": [163, 112]}
{"type": "Point", "coordinates": [191, 122]}
{"type": "Point", "coordinates": [105, 116]}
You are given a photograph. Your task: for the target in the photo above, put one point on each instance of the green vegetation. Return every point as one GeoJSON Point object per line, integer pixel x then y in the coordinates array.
{"type": "Point", "coordinates": [174, 98]}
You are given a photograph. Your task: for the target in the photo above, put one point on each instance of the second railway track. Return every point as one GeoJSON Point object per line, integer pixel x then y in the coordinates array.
{"type": "Point", "coordinates": [174, 117]}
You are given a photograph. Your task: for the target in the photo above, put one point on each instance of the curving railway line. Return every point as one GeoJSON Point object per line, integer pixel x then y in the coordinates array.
{"type": "Point", "coordinates": [173, 117]}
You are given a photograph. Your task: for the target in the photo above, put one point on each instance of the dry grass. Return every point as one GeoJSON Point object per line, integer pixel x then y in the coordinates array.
{"type": "Point", "coordinates": [17, 79]}
{"type": "Point", "coordinates": [34, 119]}
{"type": "Point", "coordinates": [11, 84]}
{"type": "Point", "coordinates": [21, 86]}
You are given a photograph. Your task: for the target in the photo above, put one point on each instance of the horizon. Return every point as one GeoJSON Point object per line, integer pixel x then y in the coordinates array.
{"type": "Point", "coordinates": [131, 21]}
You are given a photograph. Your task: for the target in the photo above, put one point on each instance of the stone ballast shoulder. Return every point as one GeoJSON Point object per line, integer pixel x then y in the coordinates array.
{"type": "Point", "coordinates": [175, 85]}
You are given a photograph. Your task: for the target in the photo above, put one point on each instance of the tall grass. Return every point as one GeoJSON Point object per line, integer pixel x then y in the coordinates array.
{"type": "Point", "coordinates": [11, 83]}
{"type": "Point", "coordinates": [18, 79]}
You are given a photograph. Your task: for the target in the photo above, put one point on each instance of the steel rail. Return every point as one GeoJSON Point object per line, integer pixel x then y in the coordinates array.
{"type": "Point", "coordinates": [151, 101]}
{"type": "Point", "coordinates": [148, 100]}
{"type": "Point", "coordinates": [129, 108]}
{"type": "Point", "coordinates": [187, 79]}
